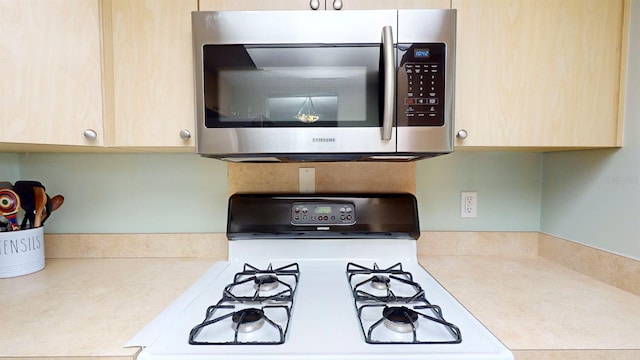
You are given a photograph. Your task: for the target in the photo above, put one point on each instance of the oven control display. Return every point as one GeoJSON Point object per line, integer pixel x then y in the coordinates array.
{"type": "Point", "coordinates": [323, 214]}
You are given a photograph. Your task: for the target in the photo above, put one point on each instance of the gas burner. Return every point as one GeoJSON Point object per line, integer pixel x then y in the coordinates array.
{"type": "Point", "coordinates": [256, 285]}
{"type": "Point", "coordinates": [247, 320]}
{"type": "Point", "coordinates": [265, 282]}
{"type": "Point", "coordinates": [400, 319]}
{"type": "Point", "coordinates": [380, 282]}
{"type": "Point", "coordinates": [391, 284]}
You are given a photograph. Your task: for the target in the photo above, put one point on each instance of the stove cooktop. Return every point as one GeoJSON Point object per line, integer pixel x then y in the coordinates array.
{"type": "Point", "coordinates": [319, 277]}
{"type": "Point", "coordinates": [324, 318]}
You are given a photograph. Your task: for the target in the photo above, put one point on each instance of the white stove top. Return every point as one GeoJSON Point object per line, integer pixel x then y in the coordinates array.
{"type": "Point", "coordinates": [324, 322]}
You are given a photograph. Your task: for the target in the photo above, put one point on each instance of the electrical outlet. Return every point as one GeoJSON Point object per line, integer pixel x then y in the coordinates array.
{"type": "Point", "coordinates": [468, 204]}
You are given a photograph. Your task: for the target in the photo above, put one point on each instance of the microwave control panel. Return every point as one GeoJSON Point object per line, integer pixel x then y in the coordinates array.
{"type": "Point", "coordinates": [421, 84]}
{"type": "Point", "coordinates": [323, 214]}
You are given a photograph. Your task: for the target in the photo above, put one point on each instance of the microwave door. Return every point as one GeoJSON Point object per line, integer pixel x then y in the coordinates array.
{"type": "Point", "coordinates": [325, 88]}
{"type": "Point", "coordinates": [301, 98]}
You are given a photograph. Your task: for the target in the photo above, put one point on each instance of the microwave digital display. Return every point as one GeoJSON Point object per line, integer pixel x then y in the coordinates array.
{"type": "Point", "coordinates": [422, 53]}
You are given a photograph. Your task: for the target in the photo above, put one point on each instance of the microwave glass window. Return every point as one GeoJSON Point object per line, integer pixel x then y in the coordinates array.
{"type": "Point", "coordinates": [267, 86]}
{"type": "Point", "coordinates": [307, 109]}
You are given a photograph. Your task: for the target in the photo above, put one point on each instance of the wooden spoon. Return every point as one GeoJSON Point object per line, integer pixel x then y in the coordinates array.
{"type": "Point", "coordinates": [40, 198]}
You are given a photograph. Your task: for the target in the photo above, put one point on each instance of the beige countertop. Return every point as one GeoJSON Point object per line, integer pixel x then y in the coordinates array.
{"type": "Point", "coordinates": [89, 308]}
{"type": "Point", "coordinates": [542, 310]}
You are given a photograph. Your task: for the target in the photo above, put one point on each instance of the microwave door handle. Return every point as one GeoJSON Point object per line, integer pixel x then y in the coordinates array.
{"type": "Point", "coordinates": [389, 96]}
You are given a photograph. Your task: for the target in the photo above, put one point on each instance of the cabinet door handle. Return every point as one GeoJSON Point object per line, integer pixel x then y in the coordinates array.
{"type": "Point", "coordinates": [185, 134]}
{"type": "Point", "coordinates": [314, 4]}
{"type": "Point", "coordinates": [337, 4]}
{"type": "Point", "coordinates": [462, 134]}
{"type": "Point", "coordinates": [90, 134]}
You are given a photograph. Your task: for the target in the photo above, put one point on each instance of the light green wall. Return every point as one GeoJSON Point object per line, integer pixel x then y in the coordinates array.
{"type": "Point", "coordinates": [508, 186]}
{"type": "Point", "coordinates": [9, 169]}
{"type": "Point", "coordinates": [593, 197]}
{"type": "Point", "coordinates": [132, 193]}
{"type": "Point", "coordinates": [158, 193]}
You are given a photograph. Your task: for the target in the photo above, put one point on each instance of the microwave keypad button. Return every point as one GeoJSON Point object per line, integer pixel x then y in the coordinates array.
{"type": "Point", "coordinates": [432, 101]}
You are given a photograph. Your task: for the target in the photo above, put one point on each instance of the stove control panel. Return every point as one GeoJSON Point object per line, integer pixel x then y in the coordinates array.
{"type": "Point", "coordinates": [323, 214]}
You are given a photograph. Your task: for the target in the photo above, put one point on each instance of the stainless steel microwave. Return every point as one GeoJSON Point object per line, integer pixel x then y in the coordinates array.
{"type": "Point", "coordinates": [324, 86]}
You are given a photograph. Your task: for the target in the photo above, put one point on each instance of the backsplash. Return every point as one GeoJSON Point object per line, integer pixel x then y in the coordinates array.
{"type": "Point", "coordinates": [329, 177]}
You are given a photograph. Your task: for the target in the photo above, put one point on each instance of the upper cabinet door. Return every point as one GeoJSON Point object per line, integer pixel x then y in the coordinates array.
{"type": "Point", "coordinates": [539, 73]}
{"type": "Point", "coordinates": [387, 4]}
{"type": "Point", "coordinates": [221, 5]}
{"type": "Point", "coordinates": [322, 4]}
{"type": "Point", "coordinates": [50, 72]}
{"type": "Point", "coordinates": [149, 67]}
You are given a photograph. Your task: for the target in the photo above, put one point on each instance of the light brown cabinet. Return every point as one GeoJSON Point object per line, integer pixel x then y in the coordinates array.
{"type": "Point", "coordinates": [541, 74]}
{"type": "Point", "coordinates": [50, 72]}
{"type": "Point", "coordinates": [149, 73]}
{"type": "Point", "coordinates": [223, 5]}
{"type": "Point", "coordinates": [322, 4]}
{"type": "Point", "coordinates": [390, 4]}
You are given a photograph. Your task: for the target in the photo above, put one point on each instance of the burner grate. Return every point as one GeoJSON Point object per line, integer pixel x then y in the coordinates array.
{"type": "Point", "coordinates": [257, 286]}
{"type": "Point", "coordinates": [393, 309]}
{"type": "Point", "coordinates": [255, 309]}
{"type": "Point", "coordinates": [225, 324]}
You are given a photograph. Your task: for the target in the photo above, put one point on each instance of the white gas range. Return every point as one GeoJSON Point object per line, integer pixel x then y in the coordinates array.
{"type": "Point", "coordinates": [319, 277]}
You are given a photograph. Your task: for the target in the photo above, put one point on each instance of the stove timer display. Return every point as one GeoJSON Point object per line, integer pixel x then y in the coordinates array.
{"type": "Point", "coordinates": [303, 214]}
{"type": "Point", "coordinates": [323, 210]}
